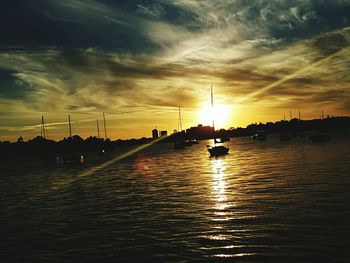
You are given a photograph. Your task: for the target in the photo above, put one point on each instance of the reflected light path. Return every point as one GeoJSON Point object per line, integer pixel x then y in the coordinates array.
{"type": "Point", "coordinates": [220, 199]}
{"type": "Point", "coordinates": [219, 185]}
{"type": "Point", "coordinates": [223, 234]}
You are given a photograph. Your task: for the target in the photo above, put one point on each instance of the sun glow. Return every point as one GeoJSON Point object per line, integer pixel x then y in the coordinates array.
{"type": "Point", "coordinates": [220, 113]}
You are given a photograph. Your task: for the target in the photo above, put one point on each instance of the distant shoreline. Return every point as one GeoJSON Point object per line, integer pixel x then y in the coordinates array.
{"type": "Point", "coordinates": [40, 146]}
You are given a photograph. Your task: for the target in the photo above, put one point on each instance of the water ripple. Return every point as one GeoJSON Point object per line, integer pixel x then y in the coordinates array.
{"type": "Point", "coordinates": [267, 201]}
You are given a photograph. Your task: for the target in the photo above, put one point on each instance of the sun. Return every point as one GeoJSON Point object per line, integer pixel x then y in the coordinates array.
{"type": "Point", "coordinates": [220, 113]}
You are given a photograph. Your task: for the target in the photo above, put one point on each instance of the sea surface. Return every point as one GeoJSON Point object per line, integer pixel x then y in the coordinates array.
{"type": "Point", "coordinates": [267, 201]}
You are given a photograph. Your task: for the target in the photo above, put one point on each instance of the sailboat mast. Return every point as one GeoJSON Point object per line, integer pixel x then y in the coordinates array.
{"type": "Point", "coordinates": [212, 106]}
{"type": "Point", "coordinates": [70, 126]}
{"type": "Point", "coordinates": [98, 130]}
{"type": "Point", "coordinates": [104, 124]}
{"type": "Point", "coordinates": [43, 127]}
{"type": "Point", "coordinates": [180, 122]}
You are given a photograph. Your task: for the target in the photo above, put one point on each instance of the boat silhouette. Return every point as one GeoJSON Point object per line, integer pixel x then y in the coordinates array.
{"type": "Point", "coordinates": [72, 157]}
{"type": "Point", "coordinates": [191, 142]}
{"type": "Point", "coordinates": [216, 150]}
{"type": "Point", "coordinates": [259, 136]}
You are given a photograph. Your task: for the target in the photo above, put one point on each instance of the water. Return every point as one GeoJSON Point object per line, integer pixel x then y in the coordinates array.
{"type": "Point", "coordinates": [265, 201]}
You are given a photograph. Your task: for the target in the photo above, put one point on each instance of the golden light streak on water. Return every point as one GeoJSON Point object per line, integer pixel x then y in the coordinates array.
{"type": "Point", "coordinates": [219, 184]}
{"type": "Point", "coordinates": [89, 172]}
{"type": "Point", "coordinates": [119, 157]}
{"type": "Point", "coordinates": [220, 198]}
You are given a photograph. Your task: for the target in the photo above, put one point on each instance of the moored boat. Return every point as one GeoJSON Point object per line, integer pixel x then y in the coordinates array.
{"type": "Point", "coordinates": [259, 136]}
{"type": "Point", "coordinates": [216, 150]}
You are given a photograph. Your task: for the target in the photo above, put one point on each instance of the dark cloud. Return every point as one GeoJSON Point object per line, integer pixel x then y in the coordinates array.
{"type": "Point", "coordinates": [330, 43]}
{"type": "Point", "coordinates": [158, 10]}
{"type": "Point", "coordinates": [70, 24]}
{"type": "Point", "coordinates": [289, 21]}
{"type": "Point", "coordinates": [112, 55]}
{"type": "Point", "coordinates": [120, 25]}
{"type": "Point", "coordinates": [11, 86]}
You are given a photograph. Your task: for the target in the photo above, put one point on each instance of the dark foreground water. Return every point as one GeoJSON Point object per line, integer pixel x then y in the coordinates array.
{"type": "Point", "coordinates": [264, 202]}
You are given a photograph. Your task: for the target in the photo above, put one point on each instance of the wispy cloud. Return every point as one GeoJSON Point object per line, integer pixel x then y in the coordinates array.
{"type": "Point", "coordinates": [93, 56]}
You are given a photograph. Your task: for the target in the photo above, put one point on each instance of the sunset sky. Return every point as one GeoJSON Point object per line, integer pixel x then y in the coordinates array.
{"type": "Point", "coordinates": [137, 61]}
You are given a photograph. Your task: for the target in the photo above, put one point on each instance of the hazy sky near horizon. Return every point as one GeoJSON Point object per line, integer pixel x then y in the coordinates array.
{"type": "Point", "coordinates": [137, 61]}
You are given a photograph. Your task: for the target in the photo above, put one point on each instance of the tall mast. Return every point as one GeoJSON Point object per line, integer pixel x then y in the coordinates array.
{"type": "Point", "coordinates": [43, 127]}
{"type": "Point", "coordinates": [104, 124]}
{"type": "Point", "coordinates": [299, 115]}
{"type": "Point", "coordinates": [98, 130]}
{"type": "Point", "coordinates": [212, 106]}
{"type": "Point", "coordinates": [180, 122]}
{"type": "Point", "coordinates": [290, 114]}
{"type": "Point", "coordinates": [70, 126]}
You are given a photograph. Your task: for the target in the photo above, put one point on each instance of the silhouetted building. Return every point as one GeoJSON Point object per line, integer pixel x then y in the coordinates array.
{"type": "Point", "coordinates": [163, 133]}
{"type": "Point", "coordinates": [154, 133]}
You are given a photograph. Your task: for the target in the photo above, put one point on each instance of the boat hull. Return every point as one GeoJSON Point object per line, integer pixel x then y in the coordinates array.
{"type": "Point", "coordinates": [218, 150]}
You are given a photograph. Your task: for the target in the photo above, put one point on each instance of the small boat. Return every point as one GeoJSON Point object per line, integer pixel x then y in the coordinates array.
{"type": "Point", "coordinates": [318, 138]}
{"type": "Point", "coordinates": [259, 136]}
{"type": "Point", "coordinates": [190, 142]}
{"type": "Point", "coordinates": [194, 141]}
{"type": "Point", "coordinates": [216, 150]}
{"type": "Point", "coordinates": [101, 152]}
{"type": "Point", "coordinates": [73, 159]}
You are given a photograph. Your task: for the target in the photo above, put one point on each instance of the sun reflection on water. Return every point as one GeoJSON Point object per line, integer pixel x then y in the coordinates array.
{"type": "Point", "coordinates": [222, 232]}
{"type": "Point", "coordinates": [219, 186]}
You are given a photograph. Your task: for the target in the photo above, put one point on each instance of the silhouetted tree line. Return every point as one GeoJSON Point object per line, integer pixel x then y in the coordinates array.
{"type": "Point", "coordinates": [44, 147]}
{"type": "Point", "coordinates": [75, 144]}
{"type": "Point", "coordinates": [293, 126]}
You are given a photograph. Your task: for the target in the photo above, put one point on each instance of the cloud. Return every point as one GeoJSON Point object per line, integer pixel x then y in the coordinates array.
{"type": "Point", "coordinates": [12, 86]}
{"type": "Point", "coordinates": [125, 57]}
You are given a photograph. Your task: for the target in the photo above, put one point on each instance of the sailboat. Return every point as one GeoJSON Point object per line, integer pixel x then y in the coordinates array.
{"type": "Point", "coordinates": [47, 156]}
{"type": "Point", "coordinates": [179, 143]}
{"type": "Point", "coordinates": [108, 145]}
{"type": "Point", "coordinates": [42, 131]}
{"type": "Point", "coordinates": [216, 150]}
{"type": "Point", "coordinates": [72, 158]}
{"type": "Point", "coordinates": [100, 150]}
